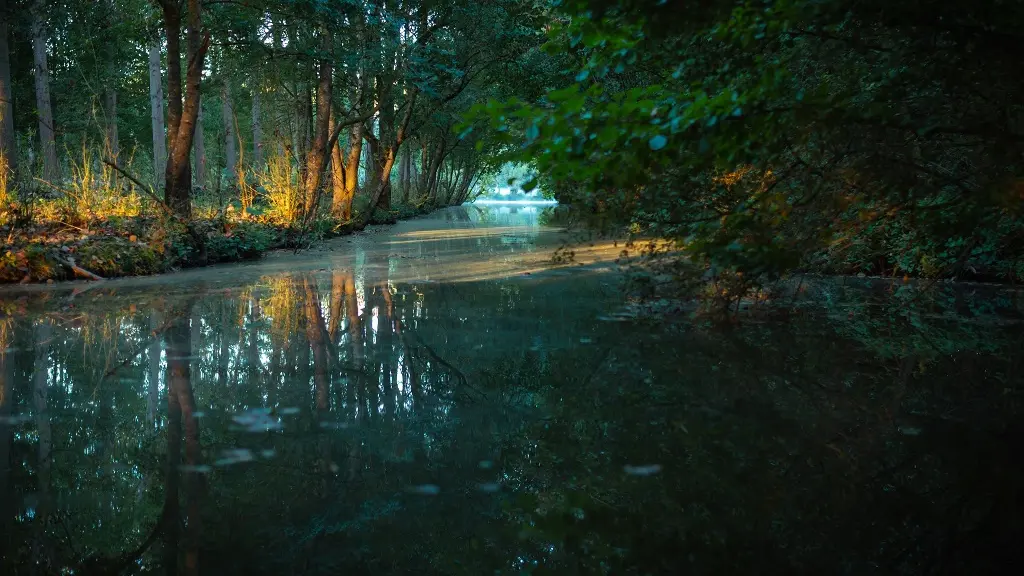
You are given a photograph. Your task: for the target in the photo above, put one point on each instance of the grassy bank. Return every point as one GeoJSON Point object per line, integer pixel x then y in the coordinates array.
{"type": "Point", "coordinates": [52, 249]}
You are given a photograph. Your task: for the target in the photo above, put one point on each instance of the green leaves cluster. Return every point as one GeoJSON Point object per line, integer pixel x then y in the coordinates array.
{"type": "Point", "coordinates": [772, 135]}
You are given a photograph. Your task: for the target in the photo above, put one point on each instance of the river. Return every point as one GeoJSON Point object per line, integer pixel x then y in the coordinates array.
{"type": "Point", "coordinates": [439, 398]}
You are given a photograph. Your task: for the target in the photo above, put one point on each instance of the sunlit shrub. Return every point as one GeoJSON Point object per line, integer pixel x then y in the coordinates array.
{"type": "Point", "coordinates": [93, 192]}
{"type": "Point", "coordinates": [280, 185]}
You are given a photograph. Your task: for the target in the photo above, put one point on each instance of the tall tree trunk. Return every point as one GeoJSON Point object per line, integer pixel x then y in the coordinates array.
{"type": "Point", "coordinates": [462, 187]}
{"type": "Point", "coordinates": [405, 173]}
{"type": "Point", "coordinates": [199, 150]}
{"type": "Point", "coordinates": [316, 159]}
{"type": "Point", "coordinates": [431, 175]}
{"type": "Point", "coordinates": [51, 171]}
{"type": "Point", "coordinates": [386, 133]}
{"type": "Point", "coordinates": [381, 186]}
{"type": "Point", "coordinates": [257, 128]}
{"type": "Point", "coordinates": [355, 154]}
{"type": "Point", "coordinates": [156, 106]}
{"type": "Point", "coordinates": [7, 150]}
{"type": "Point", "coordinates": [112, 143]}
{"type": "Point", "coordinates": [338, 191]}
{"type": "Point", "coordinates": [182, 113]}
{"type": "Point", "coordinates": [421, 182]}
{"type": "Point", "coordinates": [230, 138]}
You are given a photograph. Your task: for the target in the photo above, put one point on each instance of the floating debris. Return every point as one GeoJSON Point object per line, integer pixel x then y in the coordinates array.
{"type": "Point", "coordinates": [200, 469]}
{"type": "Point", "coordinates": [234, 456]}
{"type": "Point", "coordinates": [646, 470]}
{"type": "Point", "coordinates": [585, 340]}
{"type": "Point", "coordinates": [290, 410]}
{"type": "Point", "coordinates": [489, 487]}
{"type": "Point", "coordinates": [426, 489]}
{"type": "Point", "coordinates": [257, 420]}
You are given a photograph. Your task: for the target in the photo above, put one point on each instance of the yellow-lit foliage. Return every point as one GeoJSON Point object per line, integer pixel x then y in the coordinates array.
{"type": "Point", "coordinates": [6, 197]}
{"type": "Point", "coordinates": [93, 193]}
{"type": "Point", "coordinates": [246, 191]}
{"type": "Point", "coordinates": [280, 185]}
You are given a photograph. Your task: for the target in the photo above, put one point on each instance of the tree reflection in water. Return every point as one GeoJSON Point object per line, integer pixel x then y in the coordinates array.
{"type": "Point", "coordinates": [340, 422]}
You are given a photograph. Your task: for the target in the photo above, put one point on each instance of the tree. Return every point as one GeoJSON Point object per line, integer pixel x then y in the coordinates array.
{"type": "Point", "coordinates": [182, 109]}
{"type": "Point", "coordinates": [44, 110]}
{"type": "Point", "coordinates": [7, 150]}
{"type": "Point", "coordinates": [156, 105]}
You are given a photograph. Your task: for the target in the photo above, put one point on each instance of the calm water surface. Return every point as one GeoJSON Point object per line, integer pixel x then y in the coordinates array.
{"type": "Point", "coordinates": [437, 399]}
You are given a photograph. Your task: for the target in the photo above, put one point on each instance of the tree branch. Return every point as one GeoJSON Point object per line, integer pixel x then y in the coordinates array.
{"type": "Point", "coordinates": [147, 189]}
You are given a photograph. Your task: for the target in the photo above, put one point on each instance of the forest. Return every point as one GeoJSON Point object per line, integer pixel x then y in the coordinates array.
{"type": "Point", "coordinates": [760, 137]}
{"type": "Point", "coordinates": [772, 326]}
{"type": "Point", "coordinates": [139, 137]}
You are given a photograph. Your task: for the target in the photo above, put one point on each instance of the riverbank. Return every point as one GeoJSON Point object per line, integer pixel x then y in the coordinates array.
{"type": "Point", "coordinates": [47, 252]}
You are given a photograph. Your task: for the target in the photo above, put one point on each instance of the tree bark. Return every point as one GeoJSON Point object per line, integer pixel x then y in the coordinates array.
{"type": "Point", "coordinates": [355, 154]}
{"type": "Point", "coordinates": [182, 113]}
{"type": "Point", "coordinates": [257, 128]}
{"type": "Point", "coordinates": [431, 175]}
{"type": "Point", "coordinates": [113, 144]}
{"type": "Point", "coordinates": [317, 156]}
{"type": "Point", "coordinates": [51, 170]}
{"type": "Point", "coordinates": [7, 150]}
{"type": "Point", "coordinates": [230, 138]}
{"type": "Point", "coordinates": [405, 173]}
{"type": "Point", "coordinates": [199, 151]}
{"type": "Point", "coordinates": [338, 191]}
{"type": "Point", "coordinates": [156, 105]}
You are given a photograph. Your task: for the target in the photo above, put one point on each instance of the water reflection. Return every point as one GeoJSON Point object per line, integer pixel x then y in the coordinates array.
{"type": "Point", "coordinates": [344, 422]}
